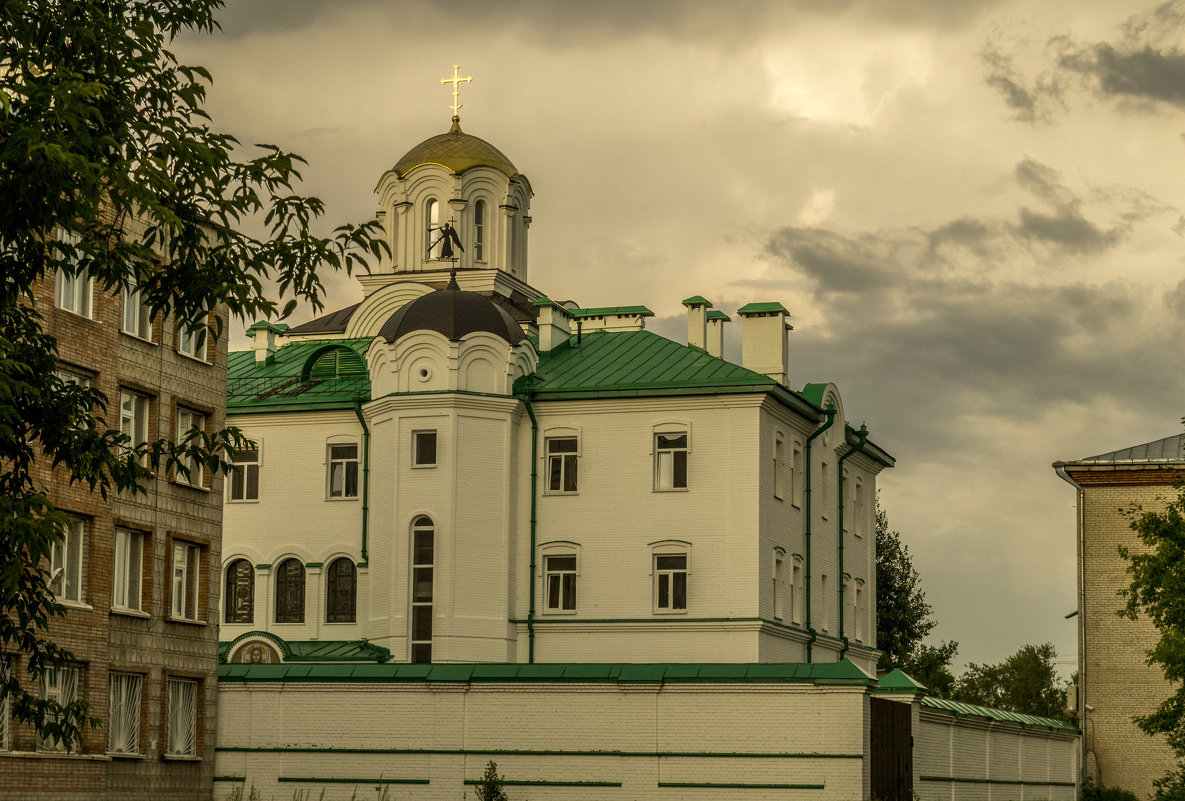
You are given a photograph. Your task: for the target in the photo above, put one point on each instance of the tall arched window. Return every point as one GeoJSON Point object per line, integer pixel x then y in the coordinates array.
{"type": "Point", "coordinates": [290, 592]}
{"type": "Point", "coordinates": [423, 547]}
{"type": "Point", "coordinates": [479, 230]}
{"type": "Point", "coordinates": [341, 592]}
{"type": "Point", "coordinates": [240, 592]}
{"type": "Point", "coordinates": [431, 228]}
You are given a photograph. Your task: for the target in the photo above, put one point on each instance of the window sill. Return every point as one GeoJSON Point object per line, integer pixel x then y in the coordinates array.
{"type": "Point", "coordinates": [561, 493]}
{"type": "Point", "coordinates": [670, 489]}
{"type": "Point", "coordinates": [54, 755]}
{"type": "Point", "coordinates": [796, 504]}
{"type": "Point", "coordinates": [341, 622]}
{"type": "Point", "coordinates": [76, 314]}
{"type": "Point", "coordinates": [193, 358]}
{"type": "Point", "coordinates": [242, 500]}
{"type": "Point", "coordinates": [290, 623]}
{"type": "Point", "coordinates": [178, 482]}
{"type": "Point", "coordinates": [422, 466]}
{"type": "Point", "coordinates": [559, 611]}
{"type": "Point", "coordinates": [121, 610]}
{"type": "Point", "coordinates": [346, 498]}
{"type": "Point", "coordinates": [137, 337]}
{"type": "Point", "coordinates": [121, 755]}
{"type": "Point", "coordinates": [670, 611]}
{"type": "Point", "coordinates": [180, 758]}
{"type": "Point", "coordinates": [185, 621]}
{"type": "Point", "coordinates": [77, 605]}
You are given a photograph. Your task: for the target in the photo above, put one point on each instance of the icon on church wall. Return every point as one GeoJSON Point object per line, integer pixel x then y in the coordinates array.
{"type": "Point", "coordinates": [255, 653]}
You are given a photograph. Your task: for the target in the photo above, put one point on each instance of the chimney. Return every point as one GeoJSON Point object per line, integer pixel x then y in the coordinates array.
{"type": "Point", "coordinates": [263, 339]}
{"type": "Point", "coordinates": [697, 311]}
{"type": "Point", "coordinates": [555, 325]}
{"type": "Point", "coordinates": [763, 339]}
{"type": "Point", "coordinates": [716, 321]}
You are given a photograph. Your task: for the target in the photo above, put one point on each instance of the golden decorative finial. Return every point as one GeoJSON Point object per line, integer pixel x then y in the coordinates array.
{"type": "Point", "coordinates": [456, 81]}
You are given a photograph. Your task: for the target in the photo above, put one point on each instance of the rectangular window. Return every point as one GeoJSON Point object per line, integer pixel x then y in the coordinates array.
{"type": "Point", "coordinates": [128, 569]}
{"type": "Point", "coordinates": [5, 711]}
{"type": "Point", "coordinates": [561, 464]}
{"type": "Point", "coordinates": [187, 420]}
{"type": "Point", "coordinates": [860, 514]}
{"type": "Point", "coordinates": [73, 293]}
{"type": "Point", "coordinates": [343, 471]}
{"type": "Point", "coordinates": [67, 563]}
{"type": "Point", "coordinates": [825, 598]}
{"type": "Point", "coordinates": [779, 588]}
{"type": "Point", "coordinates": [796, 605]}
{"type": "Point", "coordinates": [847, 502]}
{"type": "Point", "coordinates": [137, 317]}
{"type": "Point", "coordinates": [779, 468]}
{"type": "Point", "coordinates": [670, 461]}
{"type": "Point", "coordinates": [182, 713]}
{"type": "Point", "coordinates": [796, 475]}
{"type": "Point", "coordinates": [61, 686]}
{"type": "Point", "coordinates": [186, 563]}
{"type": "Point", "coordinates": [670, 582]}
{"type": "Point", "coordinates": [423, 448]}
{"type": "Point", "coordinates": [858, 603]}
{"type": "Point", "coordinates": [559, 579]}
{"type": "Point", "coordinates": [244, 477]}
{"type": "Point", "coordinates": [191, 341]}
{"type": "Point", "coordinates": [123, 713]}
{"type": "Point", "coordinates": [825, 485]}
{"type": "Point", "coordinates": [133, 417]}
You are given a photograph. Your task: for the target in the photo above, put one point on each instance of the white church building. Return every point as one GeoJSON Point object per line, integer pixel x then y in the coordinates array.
{"type": "Point", "coordinates": [484, 523]}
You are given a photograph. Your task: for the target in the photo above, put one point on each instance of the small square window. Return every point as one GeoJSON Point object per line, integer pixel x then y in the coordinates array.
{"type": "Point", "coordinates": [562, 454]}
{"type": "Point", "coordinates": [423, 449]}
{"type": "Point", "coordinates": [343, 471]}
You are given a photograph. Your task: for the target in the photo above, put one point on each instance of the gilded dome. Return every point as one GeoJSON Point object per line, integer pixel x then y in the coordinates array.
{"type": "Point", "coordinates": [456, 151]}
{"type": "Point", "coordinates": [454, 313]}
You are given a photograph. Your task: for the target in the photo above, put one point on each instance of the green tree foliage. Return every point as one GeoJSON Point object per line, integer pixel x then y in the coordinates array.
{"type": "Point", "coordinates": [904, 618]}
{"type": "Point", "coordinates": [1157, 590]}
{"type": "Point", "coordinates": [1025, 682]}
{"type": "Point", "coordinates": [103, 134]}
{"type": "Point", "coordinates": [490, 788]}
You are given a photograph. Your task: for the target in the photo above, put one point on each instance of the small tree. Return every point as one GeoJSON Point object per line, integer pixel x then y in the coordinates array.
{"type": "Point", "coordinates": [1158, 590]}
{"type": "Point", "coordinates": [490, 788]}
{"type": "Point", "coordinates": [1025, 682]}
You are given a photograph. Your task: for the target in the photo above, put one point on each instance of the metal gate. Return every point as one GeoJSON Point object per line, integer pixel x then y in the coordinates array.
{"type": "Point", "coordinates": [891, 749]}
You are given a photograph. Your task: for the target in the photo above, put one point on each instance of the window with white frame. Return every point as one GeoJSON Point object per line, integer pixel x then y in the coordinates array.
{"type": "Point", "coordinates": [191, 340]}
{"type": "Point", "coordinates": [137, 315]}
{"type": "Point", "coordinates": [182, 718]}
{"type": "Point", "coordinates": [128, 570]}
{"type": "Point", "coordinates": [796, 474]}
{"type": "Point", "coordinates": [423, 555]}
{"type": "Point", "coordinates": [343, 471]}
{"type": "Point", "coordinates": [670, 460]}
{"type": "Point", "coordinates": [133, 418]}
{"type": "Point", "coordinates": [186, 569]}
{"type": "Point", "coordinates": [187, 421]}
{"type": "Point", "coordinates": [59, 685]}
{"type": "Point", "coordinates": [670, 581]}
{"type": "Point", "coordinates": [559, 582]}
{"type": "Point", "coordinates": [244, 476]}
{"type": "Point", "coordinates": [796, 589]}
{"type": "Point", "coordinates": [432, 243]}
{"type": "Point", "coordinates": [73, 293]}
{"type": "Point", "coordinates": [123, 712]}
{"type": "Point", "coordinates": [780, 467]}
{"type": "Point", "coordinates": [562, 454]}
{"type": "Point", "coordinates": [423, 449]}
{"type": "Point", "coordinates": [67, 563]}
{"type": "Point", "coordinates": [779, 583]}
{"type": "Point", "coordinates": [71, 377]}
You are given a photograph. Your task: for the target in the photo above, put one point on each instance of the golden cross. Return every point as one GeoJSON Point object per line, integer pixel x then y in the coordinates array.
{"type": "Point", "coordinates": [456, 81]}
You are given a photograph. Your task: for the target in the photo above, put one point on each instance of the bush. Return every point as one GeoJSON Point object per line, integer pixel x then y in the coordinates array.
{"type": "Point", "coordinates": [1093, 792]}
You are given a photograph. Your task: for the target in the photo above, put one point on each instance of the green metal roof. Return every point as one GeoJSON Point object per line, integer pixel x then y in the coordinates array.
{"type": "Point", "coordinates": [762, 308]}
{"type": "Point", "coordinates": [898, 681]}
{"type": "Point", "coordinates": [718, 315]}
{"type": "Point", "coordinates": [283, 381]}
{"type": "Point", "coordinates": [315, 650]}
{"type": "Point", "coordinates": [608, 311]}
{"type": "Point", "coordinates": [697, 300]}
{"type": "Point", "coordinates": [959, 708]}
{"type": "Point", "coordinates": [819, 673]}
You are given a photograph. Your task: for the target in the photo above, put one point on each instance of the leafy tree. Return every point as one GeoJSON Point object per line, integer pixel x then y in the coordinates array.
{"type": "Point", "coordinates": [1157, 590]}
{"type": "Point", "coordinates": [904, 618]}
{"type": "Point", "coordinates": [103, 134]}
{"type": "Point", "coordinates": [1025, 682]}
{"type": "Point", "coordinates": [490, 788]}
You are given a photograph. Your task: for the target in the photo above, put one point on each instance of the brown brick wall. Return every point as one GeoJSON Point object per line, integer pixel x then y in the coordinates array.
{"type": "Point", "coordinates": [153, 645]}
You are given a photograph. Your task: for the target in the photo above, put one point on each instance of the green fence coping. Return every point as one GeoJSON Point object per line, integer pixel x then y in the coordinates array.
{"type": "Point", "coordinates": [739, 786]}
{"type": "Point", "coordinates": [529, 752]}
{"type": "Point", "coordinates": [335, 780]}
{"type": "Point", "coordinates": [542, 783]}
{"type": "Point", "coordinates": [961, 780]}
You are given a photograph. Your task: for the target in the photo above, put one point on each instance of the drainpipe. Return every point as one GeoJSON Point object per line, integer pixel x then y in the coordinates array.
{"type": "Point", "coordinates": [1060, 467]}
{"type": "Point", "coordinates": [863, 439]}
{"type": "Point", "coordinates": [526, 399]}
{"type": "Point", "coordinates": [365, 477]}
{"type": "Point", "coordinates": [810, 625]}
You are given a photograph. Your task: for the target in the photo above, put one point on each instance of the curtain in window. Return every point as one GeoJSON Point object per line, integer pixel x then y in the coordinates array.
{"type": "Point", "coordinates": [341, 592]}
{"type": "Point", "coordinates": [123, 716]}
{"type": "Point", "coordinates": [182, 735]}
{"type": "Point", "coordinates": [290, 592]}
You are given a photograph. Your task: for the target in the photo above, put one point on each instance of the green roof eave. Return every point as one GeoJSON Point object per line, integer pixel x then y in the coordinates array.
{"type": "Point", "coordinates": [870, 448]}
{"type": "Point", "coordinates": [762, 308]}
{"type": "Point", "coordinates": [696, 300]}
{"type": "Point", "coordinates": [814, 393]}
{"type": "Point", "coordinates": [998, 715]}
{"type": "Point", "coordinates": [610, 311]}
{"type": "Point", "coordinates": [843, 673]}
{"type": "Point", "coordinates": [898, 681]}
{"type": "Point", "coordinates": [295, 406]}
{"type": "Point", "coordinates": [713, 314]}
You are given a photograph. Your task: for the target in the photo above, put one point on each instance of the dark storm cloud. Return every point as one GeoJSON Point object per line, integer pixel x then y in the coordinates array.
{"type": "Point", "coordinates": [1031, 100]}
{"type": "Point", "coordinates": [842, 264]}
{"type": "Point", "coordinates": [1144, 74]}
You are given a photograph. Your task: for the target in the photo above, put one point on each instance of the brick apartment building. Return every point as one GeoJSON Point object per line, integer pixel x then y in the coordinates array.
{"type": "Point", "coordinates": [134, 572]}
{"type": "Point", "coordinates": [1115, 683]}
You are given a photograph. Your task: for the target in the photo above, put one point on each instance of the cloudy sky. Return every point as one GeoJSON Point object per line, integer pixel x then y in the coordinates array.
{"type": "Point", "coordinates": [972, 208]}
